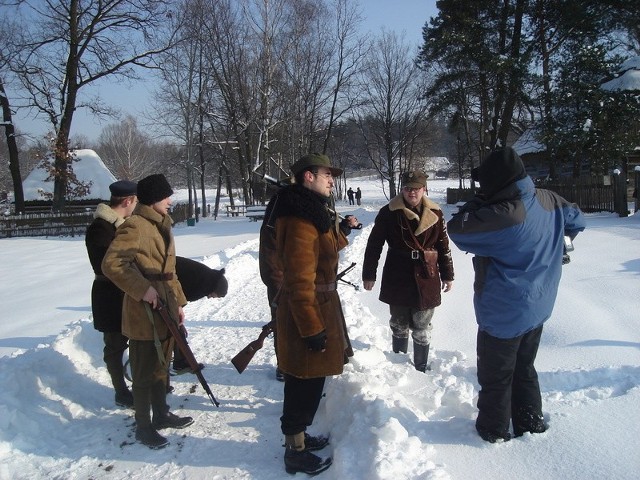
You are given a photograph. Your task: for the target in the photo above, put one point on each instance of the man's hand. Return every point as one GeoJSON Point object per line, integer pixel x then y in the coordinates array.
{"type": "Point", "coordinates": [318, 342]}
{"type": "Point", "coordinates": [151, 296]}
{"type": "Point", "coordinates": [447, 285]}
{"type": "Point", "coordinates": [368, 284]}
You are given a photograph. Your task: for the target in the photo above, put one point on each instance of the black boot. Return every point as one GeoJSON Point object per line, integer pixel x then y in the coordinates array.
{"type": "Point", "coordinates": [399, 344]}
{"type": "Point", "coordinates": [150, 437]}
{"type": "Point", "coordinates": [124, 398]}
{"type": "Point", "coordinates": [527, 420]}
{"type": "Point", "coordinates": [304, 461]}
{"type": "Point", "coordinates": [170, 420]}
{"type": "Point", "coordinates": [420, 357]}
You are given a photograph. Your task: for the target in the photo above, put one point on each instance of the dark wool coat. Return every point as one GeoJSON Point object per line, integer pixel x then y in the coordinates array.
{"type": "Point", "coordinates": [144, 245]}
{"type": "Point", "coordinates": [197, 280]}
{"type": "Point", "coordinates": [405, 281]}
{"type": "Point", "coordinates": [307, 243]}
{"type": "Point", "coordinates": [106, 298]}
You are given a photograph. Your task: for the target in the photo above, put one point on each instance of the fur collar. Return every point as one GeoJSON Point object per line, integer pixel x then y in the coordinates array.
{"type": "Point", "coordinates": [428, 218]}
{"type": "Point", "coordinates": [299, 201]}
{"type": "Point", "coordinates": [108, 214]}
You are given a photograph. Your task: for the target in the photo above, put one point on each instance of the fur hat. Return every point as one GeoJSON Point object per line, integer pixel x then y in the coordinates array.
{"type": "Point", "coordinates": [314, 160]}
{"type": "Point", "coordinates": [153, 188]}
{"type": "Point", "coordinates": [123, 188]}
{"type": "Point", "coordinates": [414, 179]}
{"type": "Point", "coordinates": [498, 170]}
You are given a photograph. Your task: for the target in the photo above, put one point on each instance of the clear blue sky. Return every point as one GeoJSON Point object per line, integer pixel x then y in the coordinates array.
{"type": "Point", "coordinates": [397, 15]}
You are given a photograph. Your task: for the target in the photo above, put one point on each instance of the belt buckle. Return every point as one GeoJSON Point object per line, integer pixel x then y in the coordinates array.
{"type": "Point", "coordinates": [415, 255]}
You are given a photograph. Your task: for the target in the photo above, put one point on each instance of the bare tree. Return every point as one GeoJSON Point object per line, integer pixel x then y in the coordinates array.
{"type": "Point", "coordinates": [391, 116]}
{"type": "Point", "coordinates": [125, 150]}
{"type": "Point", "coordinates": [7, 31]}
{"type": "Point", "coordinates": [70, 44]}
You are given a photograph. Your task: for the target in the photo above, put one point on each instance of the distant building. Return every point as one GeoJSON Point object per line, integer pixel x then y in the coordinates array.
{"type": "Point", "coordinates": [88, 168]}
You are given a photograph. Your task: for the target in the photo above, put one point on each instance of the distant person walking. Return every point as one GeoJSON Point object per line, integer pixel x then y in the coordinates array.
{"type": "Point", "coordinates": [106, 297]}
{"type": "Point", "coordinates": [358, 195]}
{"type": "Point", "coordinates": [350, 196]}
{"type": "Point", "coordinates": [516, 232]}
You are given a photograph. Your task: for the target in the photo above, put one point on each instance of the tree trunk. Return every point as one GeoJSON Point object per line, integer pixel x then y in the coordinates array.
{"type": "Point", "coordinates": [14, 163]}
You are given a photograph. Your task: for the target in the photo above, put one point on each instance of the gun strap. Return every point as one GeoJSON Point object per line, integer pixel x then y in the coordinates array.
{"type": "Point", "coordinates": [156, 339]}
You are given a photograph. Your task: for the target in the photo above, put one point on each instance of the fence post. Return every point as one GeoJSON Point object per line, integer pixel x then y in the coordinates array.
{"type": "Point", "coordinates": [620, 193]}
{"type": "Point", "coordinates": [636, 194]}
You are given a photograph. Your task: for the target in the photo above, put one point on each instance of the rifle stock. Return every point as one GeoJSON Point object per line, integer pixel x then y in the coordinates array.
{"type": "Point", "coordinates": [184, 347]}
{"type": "Point", "coordinates": [242, 359]}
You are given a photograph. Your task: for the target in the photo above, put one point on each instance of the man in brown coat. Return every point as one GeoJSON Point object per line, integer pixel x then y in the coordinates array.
{"type": "Point", "coordinates": [106, 298]}
{"type": "Point", "coordinates": [312, 340]}
{"type": "Point", "coordinates": [141, 261]}
{"type": "Point", "coordinates": [417, 266]}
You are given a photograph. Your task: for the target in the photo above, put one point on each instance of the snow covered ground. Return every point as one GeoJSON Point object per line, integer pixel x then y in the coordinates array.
{"type": "Point", "coordinates": [386, 420]}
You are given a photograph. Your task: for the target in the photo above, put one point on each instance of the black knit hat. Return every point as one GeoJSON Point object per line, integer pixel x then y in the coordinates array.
{"type": "Point", "coordinates": [153, 188]}
{"type": "Point", "coordinates": [498, 170]}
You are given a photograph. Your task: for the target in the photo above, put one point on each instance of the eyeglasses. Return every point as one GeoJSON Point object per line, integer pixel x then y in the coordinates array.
{"type": "Point", "coordinates": [412, 189]}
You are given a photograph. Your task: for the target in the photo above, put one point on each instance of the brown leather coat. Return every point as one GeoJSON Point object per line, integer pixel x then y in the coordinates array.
{"type": "Point", "coordinates": [307, 243]}
{"type": "Point", "coordinates": [405, 281]}
{"type": "Point", "coordinates": [144, 245]}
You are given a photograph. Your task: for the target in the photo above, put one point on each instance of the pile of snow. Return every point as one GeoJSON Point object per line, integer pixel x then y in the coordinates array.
{"type": "Point", "coordinates": [386, 420]}
{"type": "Point", "coordinates": [87, 166]}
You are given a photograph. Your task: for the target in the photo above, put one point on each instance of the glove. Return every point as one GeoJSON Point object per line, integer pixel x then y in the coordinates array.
{"type": "Point", "coordinates": [317, 342]}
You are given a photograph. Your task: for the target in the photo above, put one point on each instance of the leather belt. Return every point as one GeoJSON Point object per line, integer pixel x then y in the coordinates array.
{"type": "Point", "coordinates": [325, 287]}
{"type": "Point", "coordinates": [159, 277]}
{"type": "Point", "coordinates": [412, 254]}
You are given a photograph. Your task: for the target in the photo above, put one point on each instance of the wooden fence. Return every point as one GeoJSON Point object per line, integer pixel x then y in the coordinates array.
{"type": "Point", "coordinates": [45, 224]}
{"type": "Point", "coordinates": [589, 195]}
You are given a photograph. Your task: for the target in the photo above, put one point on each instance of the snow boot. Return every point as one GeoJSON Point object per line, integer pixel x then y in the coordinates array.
{"type": "Point", "coordinates": [314, 443]}
{"type": "Point", "coordinates": [399, 344]}
{"type": "Point", "coordinates": [298, 459]}
{"type": "Point", "coordinates": [150, 437]}
{"type": "Point", "coordinates": [124, 398]}
{"type": "Point", "coordinates": [170, 420]}
{"type": "Point", "coordinates": [493, 436]}
{"type": "Point", "coordinates": [525, 420]}
{"type": "Point", "coordinates": [420, 357]}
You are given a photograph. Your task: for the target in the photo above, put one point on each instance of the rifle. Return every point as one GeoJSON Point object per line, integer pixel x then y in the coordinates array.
{"type": "Point", "coordinates": [242, 359]}
{"type": "Point", "coordinates": [182, 344]}
{"type": "Point", "coordinates": [343, 273]}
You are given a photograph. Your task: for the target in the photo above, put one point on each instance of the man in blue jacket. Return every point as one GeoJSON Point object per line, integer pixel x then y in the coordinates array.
{"type": "Point", "coordinates": [516, 233]}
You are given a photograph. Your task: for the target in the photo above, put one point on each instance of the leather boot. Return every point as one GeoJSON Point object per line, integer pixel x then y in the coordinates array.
{"type": "Point", "coordinates": [420, 357]}
{"type": "Point", "coordinates": [399, 344]}
{"type": "Point", "coordinates": [298, 459]}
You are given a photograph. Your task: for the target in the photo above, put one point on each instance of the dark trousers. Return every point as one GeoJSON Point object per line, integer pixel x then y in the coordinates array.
{"type": "Point", "coordinates": [301, 399]}
{"type": "Point", "coordinates": [509, 387]}
{"type": "Point", "coordinates": [115, 345]}
{"type": "Point", "coordinates": [149, 379]}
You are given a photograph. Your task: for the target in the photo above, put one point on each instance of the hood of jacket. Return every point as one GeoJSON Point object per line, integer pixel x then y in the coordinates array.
{"type": "Point", "coordinates": [425, 221]}
{"type": "Point", "coordinates": [498, 170]}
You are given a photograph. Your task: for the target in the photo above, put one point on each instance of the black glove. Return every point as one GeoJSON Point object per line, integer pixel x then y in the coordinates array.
{"type": "Point", "coordinates": [317, 342]}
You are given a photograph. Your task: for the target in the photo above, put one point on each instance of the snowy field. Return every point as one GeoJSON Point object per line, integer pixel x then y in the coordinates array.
{"type": "Point", "coordinates": [386, 420]}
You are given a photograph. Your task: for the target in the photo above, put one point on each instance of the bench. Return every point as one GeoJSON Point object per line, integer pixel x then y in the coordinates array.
{"type": "Point", "coordinates": [256, 212]}
{"type": "Point", "coordinates": [235, 210]}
